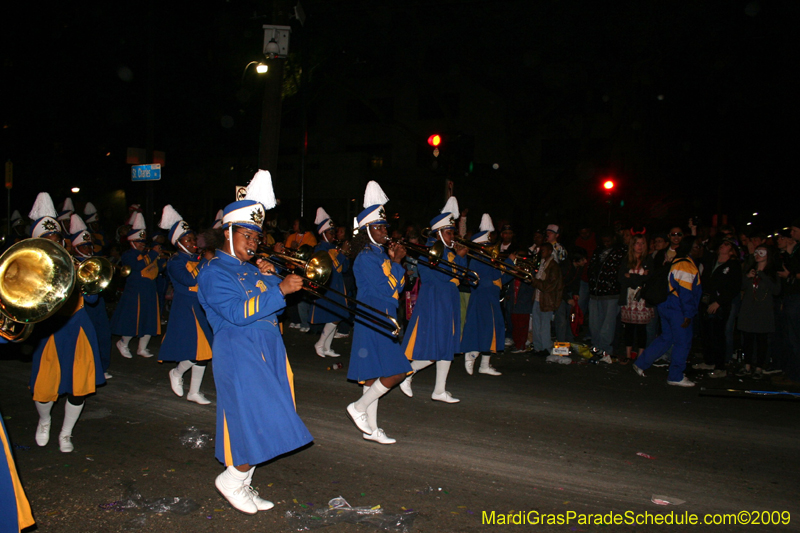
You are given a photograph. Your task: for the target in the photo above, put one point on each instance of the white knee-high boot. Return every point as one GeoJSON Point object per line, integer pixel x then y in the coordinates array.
{"type": "Point", "coordinates": [194, 387]}
{"type": "Point", "coordinates": [329, 339]}
{"type": "Point", "coordinates": [71, 414]}
{"type": "Point", "coordinates": [416, 366]}
{"type": "Point", "coordinates": [176, 376]}
{"type": "Point", "coordinates": [143, 351]}
{"type": "Point", "coordinates": [43, 428]}
{"type": "Point", "coordinates": [261, 503]}
{"type": "Point", "coordinates": [439, 392]}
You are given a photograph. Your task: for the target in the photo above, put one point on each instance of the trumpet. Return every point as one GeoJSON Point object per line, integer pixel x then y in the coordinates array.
{"type": "Point", "coordinates": [316, 271]}
{"type": "Point", "coordinates": [36, 279]}
{"type": "Point", "coordinates": [435, 253]}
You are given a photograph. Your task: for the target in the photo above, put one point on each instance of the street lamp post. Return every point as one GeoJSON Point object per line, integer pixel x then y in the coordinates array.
{"type": "Point", "coordinates": [276, 48]}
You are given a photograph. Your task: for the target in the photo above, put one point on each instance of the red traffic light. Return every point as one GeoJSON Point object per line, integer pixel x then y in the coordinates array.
{"type": "Point", "coordinates": [435, 140]}
{"type": "Point", "coordinates": [608, 185]}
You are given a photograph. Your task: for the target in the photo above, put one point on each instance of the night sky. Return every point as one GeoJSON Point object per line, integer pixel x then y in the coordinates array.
{"type": "Point", "coordinates": [695, 102]}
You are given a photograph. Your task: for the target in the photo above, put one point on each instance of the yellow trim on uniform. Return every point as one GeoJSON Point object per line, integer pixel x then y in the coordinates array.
{"type": "Point", "coordinates": [203, 348]}
{"type": "Point", "coordinates": [226, 441]}
{"type": "Point", "coordinates": [48, 378]}
{"type": "Point", "coordinates": [412, 341]}
{"type": "Point", "coordinates": [290, 377]}
{"type": "Point", "coordinates": [493, 347]}
{"type": "Point", "coordinates": [83, 369]}
{"type": "Point", "coordinates": [24, 514]}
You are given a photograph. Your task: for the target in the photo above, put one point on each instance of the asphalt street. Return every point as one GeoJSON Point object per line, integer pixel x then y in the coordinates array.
{"type": "Point", "coordinates": [542, 439]}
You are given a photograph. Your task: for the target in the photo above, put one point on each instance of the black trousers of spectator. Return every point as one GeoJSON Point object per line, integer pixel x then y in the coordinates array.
{"type": "Point", "coordinates": [713, 327]}
{"type": "Point", "coordinates": [755, 346]}
{"type": "Point", "coordinates": [635, 335]}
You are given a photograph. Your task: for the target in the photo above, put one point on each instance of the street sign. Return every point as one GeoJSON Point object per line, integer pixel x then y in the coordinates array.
{"type": "Point", "coordinates": [146, 172]}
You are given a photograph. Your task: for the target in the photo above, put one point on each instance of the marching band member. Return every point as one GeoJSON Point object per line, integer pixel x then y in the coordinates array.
{"type": "Point", "coordinates": [83, 249]}
{"type": "Point", "coordinates": [93, 221]}
{"type": "Point", "coordinates": [65, 215]}
{"type": "Point", "coordinates": [66, 359]}
{"type": "Point", "coordinates": [323, 312]}
{"type": "Point", "coordinates": [218, 220]}
{"type": "Point", "coordinates": [376, 359]}
{"type": "Point", "coordinates": [485, 328]}
{"type": "Point", "coordinates": [434, 329]}
{"type": "Point", "coordinates": [188, 337]}
{"type": "Point", "coordinates": [137, 313]}
{"type": "Point", "coordinates": [256, 417]}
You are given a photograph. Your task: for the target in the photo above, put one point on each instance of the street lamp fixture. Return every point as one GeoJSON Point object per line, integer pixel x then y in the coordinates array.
{"type": "Point", "coordinates": [75, 190]}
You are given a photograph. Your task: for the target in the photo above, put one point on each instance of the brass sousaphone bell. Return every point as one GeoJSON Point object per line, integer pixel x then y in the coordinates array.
{"type": "Point", "coordinates": [36, 278]}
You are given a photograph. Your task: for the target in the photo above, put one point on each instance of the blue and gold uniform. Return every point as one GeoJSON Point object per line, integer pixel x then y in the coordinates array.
{"type": "Point", "coordinates": [379, 280]}
{"type": "Point", "coordinates": [15, 511]}
{"type": "Point", "coordinates": [484, 330]}
{"type": "Point", "coordinates": [137, 313]}
{"type": "Point", "coordinates": [256, 417]}
{"type": "Point", "coordinates": [434, 329]}
{"type": "Point", "coordinates": [188, 336]}
{"type": "Point", "coordinates": [66, 359]}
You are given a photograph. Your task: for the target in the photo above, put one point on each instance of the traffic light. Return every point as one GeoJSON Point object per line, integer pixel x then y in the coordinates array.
{"type": "Point", "coordinates": [608, 185]}
{"type": "Point", "coordinates": [435, 140]}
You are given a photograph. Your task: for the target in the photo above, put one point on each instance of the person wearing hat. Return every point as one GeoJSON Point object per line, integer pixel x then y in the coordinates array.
{"type": "Point", "coordinates": [256, 417]}
{"type": "Point", "coordinates": [188, 338]}
{"type": "Point", "coordinates": [95, 306]}
{"type": "Point", "coordinates": [376, 359]}
{"type": "Point", "coordinates": [721, 278]}
{"type": "Point", "coordinates": [434, 329]}
{"type": "Point", "coordinates": [92, 219]}
{"type": "Point", "coordinates": [322, 311]}
{"type": "Point", "coordinates": [551, 235]}
{"type": "Point", "coordinates": [484, 330]}
{"type": "Point", "coordinates": [158, 245]}
{"type": "Point", "coordinates": [66, 360]}
{"type": "Point", "coordinates": [138, 313]}
{"type": "Point", "coordinates": [65, 215]}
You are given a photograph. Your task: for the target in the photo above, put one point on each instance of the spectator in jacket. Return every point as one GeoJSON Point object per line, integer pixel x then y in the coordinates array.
{"type": "Point", "coordinates": [571, 271]}
{"type": "Point", "coordinates": [604, 291]}
{"type": "Point", "coordinates": [676, 313]}
{"type": "Point", "coordinates": [546, 299]}
{"type": "Point", "coordinates": [757, 317]}
{"type": "Point", "coordinates": [636, 268]}
{"type": "Point", "coordinates": [722, 281]}
{"type": "Point", "coordinates": [675, 237]}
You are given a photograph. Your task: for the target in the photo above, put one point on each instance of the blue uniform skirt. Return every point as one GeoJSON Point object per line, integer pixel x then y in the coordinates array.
{"type": "Point", "coordinates": [434, 330]}
{"type": "Point", "coordinates": [484, 329]}
{"type": "Point", "coordinates": [99, 317]}
{"type": "Point", "coordinates": [256, 417]}
{"type": "Point", "coordinates": [188, 336]}
{"type": "Point", "coordinates": [138, 312]}
{"type": "Point", "coordinates": [66, 360]}
{"type": "Point", "coordinates": [375, 354]}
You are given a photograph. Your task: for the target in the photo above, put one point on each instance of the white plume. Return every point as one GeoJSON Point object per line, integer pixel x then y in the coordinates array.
{"type": "Point", "coordinates": [42, 207]}
{"type": "Point", "coordinates": [260, 189]}
{"type": "Point", "coordinates": [68, 206]}
{"type": "Point", "coordinates": [451, 207]}
{"type": "Point", "coordinates": [486, 223]}
{"type": "Point", "coordinates": [169, 217]}
{"type": "Point", "coordinates": [90, 209]}
{"type": "Point", "coordinates": [137, 221]}
{"type": "Point", "coordinates": [374, 195]}
{"type": "Point", "coordinates": [76, 224]}
{"type": "Point", "coordinates": [321, 216]}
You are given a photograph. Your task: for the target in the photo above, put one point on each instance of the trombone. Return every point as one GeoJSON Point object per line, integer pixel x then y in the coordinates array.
{"type": "Point", "coordinates": [434, 254]}
{"type": "Point", "coordinates": [317, 268]}
{"type": "Point", "coordinates": [490, 256]}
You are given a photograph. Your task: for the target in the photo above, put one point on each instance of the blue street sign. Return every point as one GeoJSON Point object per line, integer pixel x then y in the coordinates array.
{"type": "Point", "coordinates": [146, 172]}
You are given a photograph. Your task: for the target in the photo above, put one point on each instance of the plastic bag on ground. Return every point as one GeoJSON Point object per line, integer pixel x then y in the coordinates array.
{"type": "Point", "coordinates": [339, 511]}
